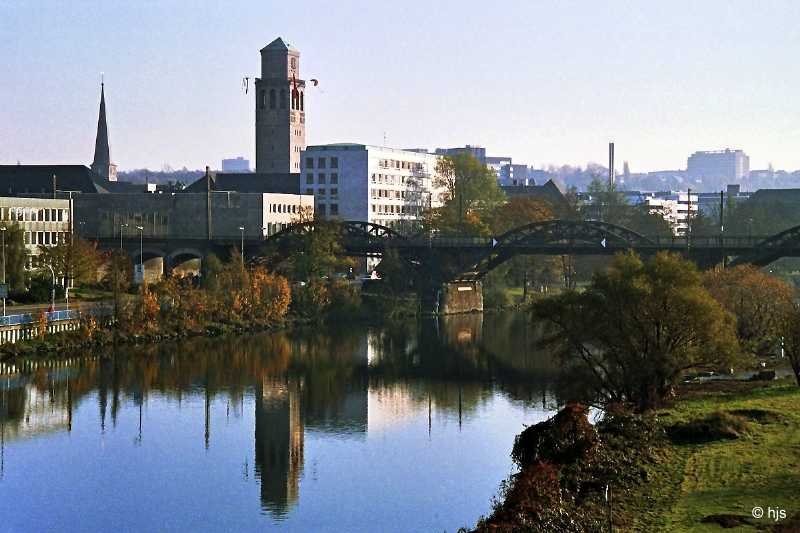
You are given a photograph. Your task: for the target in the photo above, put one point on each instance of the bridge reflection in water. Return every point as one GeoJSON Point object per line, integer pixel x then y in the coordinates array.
{"type": "Point", "coordinates": [339, 382]}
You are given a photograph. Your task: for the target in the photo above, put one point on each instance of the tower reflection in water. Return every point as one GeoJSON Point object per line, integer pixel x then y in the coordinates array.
{"type": "Point", "coordinates": [279, 442]}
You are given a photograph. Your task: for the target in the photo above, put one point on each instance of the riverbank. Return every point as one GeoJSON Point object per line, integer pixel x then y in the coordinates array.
{"type": "Point", "coordinates": [721, 453]}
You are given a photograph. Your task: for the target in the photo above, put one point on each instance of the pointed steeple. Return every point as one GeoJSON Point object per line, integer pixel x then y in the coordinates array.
{"type": "Point", "coordinates": [102, 165]}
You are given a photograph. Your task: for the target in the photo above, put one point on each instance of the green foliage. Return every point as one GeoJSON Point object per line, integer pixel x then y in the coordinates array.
{"type": "Point", "coordinates": [15, 256]}
{"type": "Point", "coordinates": [609, 205]}
{"type": "Point", "coordinates": [471, 197]}
{"type": "Point", "coordinates": [638, 327]}
{"type": "Point", "coordinates": [317, 253]}
{"type": "Point", "coordinates": [77, 260]}
{"type": "Point", "coordinates": [719, 425]}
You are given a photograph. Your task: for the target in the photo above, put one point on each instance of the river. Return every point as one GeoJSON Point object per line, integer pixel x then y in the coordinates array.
{"type": "Point", "coordinates": [402, 428]}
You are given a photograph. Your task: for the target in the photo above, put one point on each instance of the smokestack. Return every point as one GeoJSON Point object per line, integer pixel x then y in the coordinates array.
{"type": "Point", "coordinates": [610, 165]}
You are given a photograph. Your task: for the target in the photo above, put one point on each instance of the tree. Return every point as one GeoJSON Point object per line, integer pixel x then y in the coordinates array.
{"type": "Point", "coordinates": [76, 259]}
{"type": "Point", "coordinates": [638, 327]}
{"type": "Point", "coordinates": [759, 302]}
{"type": "Point", "coordinates": [317, 253]}
{"type": "Point", "coordinates": [15, 257]}
{"type": "Point", "coordinates": [471, 195]}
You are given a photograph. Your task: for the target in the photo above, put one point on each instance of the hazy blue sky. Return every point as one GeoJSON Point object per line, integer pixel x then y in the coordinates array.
{"type": "Point", "coordinates": [543, 82]}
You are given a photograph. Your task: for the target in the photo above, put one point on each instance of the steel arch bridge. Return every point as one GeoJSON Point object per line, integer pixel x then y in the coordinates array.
{"type": "Point", "coordinates": [557, 236]}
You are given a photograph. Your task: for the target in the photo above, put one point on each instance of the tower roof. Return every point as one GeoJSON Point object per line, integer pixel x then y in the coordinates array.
{"type": "Point", "coordinates": [102, 152]}
{"type": "Point", "coordinates": [278, 44]}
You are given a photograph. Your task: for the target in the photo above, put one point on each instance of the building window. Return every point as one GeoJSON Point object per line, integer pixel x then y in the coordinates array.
{"type": "Point", "coordinates": [334, 162]}
{"type": "Point", "coordinates": [271, 99]}
{"type": "Point", "coordinates": [309, 179]}
{"type": "Point", "coordinates": [321, 162]}
{"type": "Point", "coordinates": [321, 177]}
{"type": "Point", "coordinates": [302, 103]}
{"type": "Point", "coordinates": [334, 176]}
{"type": "Point", "coordinates": [321, 209]}
{"type": "Point", "coordinates": [321, 192]}
{"type": "Point", "coordinates": [334, 191]}
{"type": "Point", "coordinates": [309, 191]}
{"type": "Point", "coordinates": [334, 210]}
{"type": "Point", "coordinates": [309, 162]}
{"type": "Point", "coordinates": [262, 99]}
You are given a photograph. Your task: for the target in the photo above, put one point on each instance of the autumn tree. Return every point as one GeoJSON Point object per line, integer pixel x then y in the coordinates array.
{"type": "Point", "coordinates": [637, 327]}
{"type": "Point", "coordinates": [758, 300]}
{"type": "Point", "coordinates": [471, 196]}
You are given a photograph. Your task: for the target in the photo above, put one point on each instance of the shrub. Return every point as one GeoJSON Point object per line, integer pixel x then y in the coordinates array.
{"type": "Point", "coordinates": [719, 425]}
{"type": "Point", "coordinates": [564, 439]}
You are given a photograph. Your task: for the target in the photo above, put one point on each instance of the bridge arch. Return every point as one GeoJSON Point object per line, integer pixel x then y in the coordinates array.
{"type": "Point", "coordinates": [783, 244]}
{"type": "Point", "coordinates": [184, 261]}
{"type": "Point", "coordinates": [583, 237]}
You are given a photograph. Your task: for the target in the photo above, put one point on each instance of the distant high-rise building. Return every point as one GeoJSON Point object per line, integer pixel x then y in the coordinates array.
{"type": "Point", "coordinates": [238, 164]}
{"type": "Point", "coordinates": [280, 110]}
{"type": "Point", "coordinates": [102, 165]}
{"type": "Point", "coordinates": [729, 165]}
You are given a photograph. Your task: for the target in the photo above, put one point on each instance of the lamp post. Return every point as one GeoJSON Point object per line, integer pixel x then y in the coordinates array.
{"type": "Point", "coordinates": [3, 231]}
{"type": "Point", "coordinates": [241, 228]}
{"type": "Point", "coordinates": [120, 234]}
{"type": "Point", "coordinates": [141, 251]}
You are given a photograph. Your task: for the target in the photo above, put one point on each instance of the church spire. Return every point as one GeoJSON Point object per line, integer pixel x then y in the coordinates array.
{"type": "Point", "coordinates": [102, 165]}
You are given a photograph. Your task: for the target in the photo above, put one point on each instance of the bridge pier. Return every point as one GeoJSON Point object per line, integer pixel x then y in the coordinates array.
{"type": "Point", "coordinates": [454, 297]}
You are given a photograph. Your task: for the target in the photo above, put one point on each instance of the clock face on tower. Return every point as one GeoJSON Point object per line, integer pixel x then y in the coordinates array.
{"type": "Point", "coordinates": [293, 63]}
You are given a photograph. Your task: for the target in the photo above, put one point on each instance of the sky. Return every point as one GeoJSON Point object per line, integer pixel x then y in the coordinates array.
{"type": "Point", "coordinates": [545, 82]}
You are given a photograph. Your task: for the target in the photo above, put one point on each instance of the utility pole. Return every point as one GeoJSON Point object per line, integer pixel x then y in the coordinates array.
{"type": "Point", "coordinates": [241, 228]}
{"type": "Point", "coordinates": [3, 231]}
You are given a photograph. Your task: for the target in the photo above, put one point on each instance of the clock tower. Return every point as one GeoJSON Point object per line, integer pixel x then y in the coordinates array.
{"type": "Point", "coordinates": [280, 110]}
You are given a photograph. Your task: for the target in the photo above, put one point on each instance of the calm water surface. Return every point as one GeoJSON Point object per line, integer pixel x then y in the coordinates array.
{"type": "Point", "coordinates": [406, 428]}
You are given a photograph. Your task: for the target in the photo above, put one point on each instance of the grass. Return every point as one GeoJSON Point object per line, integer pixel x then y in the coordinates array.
{"type": "Point", "coordinates": [725, 477]}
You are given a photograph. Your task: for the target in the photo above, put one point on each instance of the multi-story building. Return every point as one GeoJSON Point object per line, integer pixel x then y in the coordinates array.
{"type": "Point", "coordinates": [387, 186]}
{"type": "Point", "coordinates": [675, 208]}
{"type": "Point", "coordinates": [237, 164]}
{"type": "Point", "coordinates": [44, 221]}
{"type": "Point", "coordinates": [728, 165]}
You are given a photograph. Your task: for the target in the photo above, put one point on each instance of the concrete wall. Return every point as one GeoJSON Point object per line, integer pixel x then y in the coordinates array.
{"type": "Point", "coordinates": [461, 297]}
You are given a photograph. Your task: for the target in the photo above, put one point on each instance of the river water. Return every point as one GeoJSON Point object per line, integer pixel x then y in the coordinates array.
{"type": "Point", "coordinates": [403, 428]}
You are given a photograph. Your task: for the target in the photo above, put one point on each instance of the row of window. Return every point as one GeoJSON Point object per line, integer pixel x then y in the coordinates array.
{"type": "Point", "coordinates": [397, 195]}
{"type": "Point", "coordinates": [297, 103]}
{"type": "Point", "coordinates": [396, 209]}
{"type": "Point", "coordinates": [284, 208]}
{"type": "Point", "coordinates": [47, 238]}
{"type": "Point", "coordinates": [322, 162]}
{"type": "Point", "coordinates": [388, 179]}
{"type": "Point", "coordinates": [321, 177]}
{"type": "Point", "coordinates": [323, 192]}
{"type": "Point", "coordinates": [323, 210]}
{"type": "Point", "coordinates": [394, 163]}
{"type": "Point", "coordinates": [32, 214]}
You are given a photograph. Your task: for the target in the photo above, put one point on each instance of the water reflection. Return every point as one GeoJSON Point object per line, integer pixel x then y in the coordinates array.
{"type": "Point", "coordinates": [342, 384]}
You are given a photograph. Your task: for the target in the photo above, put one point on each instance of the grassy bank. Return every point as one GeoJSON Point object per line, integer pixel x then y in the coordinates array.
{"type": "Point", "coordinates": [697, 481]}
{"type": "Point", "coordinates": [702, 464]}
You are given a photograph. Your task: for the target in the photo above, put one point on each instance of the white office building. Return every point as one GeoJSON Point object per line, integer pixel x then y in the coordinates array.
{"type": "Point", "coordinates": [376, 184]}
{"type": "Point", "coordinates": [44, 222]}
{"type": "Point", "coordinates": [674, 208]}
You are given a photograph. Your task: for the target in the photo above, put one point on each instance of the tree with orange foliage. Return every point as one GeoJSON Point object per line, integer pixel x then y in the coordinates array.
{"type": "Point", "coordinates": [758, 300]}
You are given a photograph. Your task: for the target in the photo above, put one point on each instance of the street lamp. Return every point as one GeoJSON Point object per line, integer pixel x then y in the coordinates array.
{"type": "Point", "coordinates": [3, 230]}
{"type": "Point", "coordinates": [141, 251]}
{"type": "Point", "coordinates": [120, 234]}
{"type": "Point", "coordinates": [53, 289]}
{"type": "Point", "coordinates": [241, 228]}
